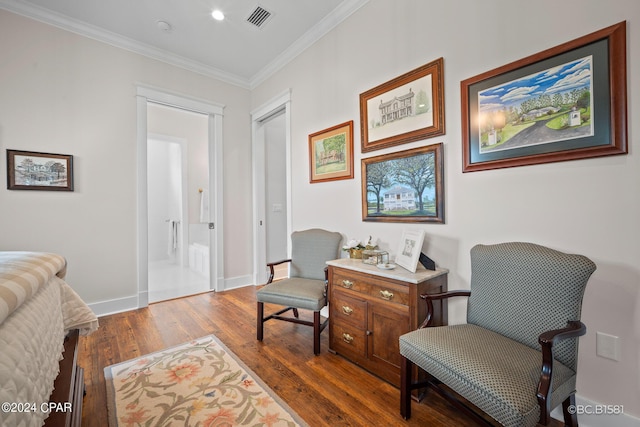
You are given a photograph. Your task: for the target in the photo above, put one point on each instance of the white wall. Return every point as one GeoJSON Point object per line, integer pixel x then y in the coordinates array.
{"type": "Point", "coordinates": [586, 206]}
{"type": "Point", "coordinates": [63, 93]}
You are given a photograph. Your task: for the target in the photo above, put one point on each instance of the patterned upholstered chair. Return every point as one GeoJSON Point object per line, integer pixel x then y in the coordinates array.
{"type": "Point", "coordinates": [515, 358]}
{"type": "Point", "coordinates": [306, 287]}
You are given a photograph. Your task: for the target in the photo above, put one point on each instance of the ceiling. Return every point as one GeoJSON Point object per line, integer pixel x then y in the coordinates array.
{"type": "Point", "coordinates": [233, 50]}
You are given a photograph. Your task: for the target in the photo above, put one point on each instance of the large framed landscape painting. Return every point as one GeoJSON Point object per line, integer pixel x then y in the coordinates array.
{"type": "Point", "coordinates": [405, 186]}
{"type": "Point", "coordinates": [565, 103]}
{"type": "Point", "coordinates": [28, 170]}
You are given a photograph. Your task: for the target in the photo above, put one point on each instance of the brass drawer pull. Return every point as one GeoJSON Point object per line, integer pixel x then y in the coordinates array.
{"type": "Point", "coordinates": [347, 338]}
{"type": "Point", "coordinates": [347, 310]}
{"type": "Point", "coordinates": [386, 295]}
{"type": "Point", "coordinates": [347, 284]}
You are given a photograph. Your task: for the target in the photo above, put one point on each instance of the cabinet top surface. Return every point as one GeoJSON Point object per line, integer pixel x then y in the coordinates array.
{"type": "Point", "coordinates": [398, 273]}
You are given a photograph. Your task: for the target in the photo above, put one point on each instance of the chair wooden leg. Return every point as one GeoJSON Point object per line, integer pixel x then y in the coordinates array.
{"type": "Point", "coordinates": [316, 332]}
{"type": "Point", "coordinates": [406, 366]}
{"type": "Point", "coordinates": [570, 417]}
{"type": "Point", "coordinates": [260, 321]}
{"type": "Point", "coordinates": [295, 312]}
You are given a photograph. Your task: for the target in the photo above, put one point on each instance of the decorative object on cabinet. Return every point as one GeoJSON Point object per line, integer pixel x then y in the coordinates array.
{"type": "Point", "coordinates": [305, 288]}
{"type": "Point", "coordinates": [568, 102]}
{"type": "Point", "coordinates": [410, 249]}
{"type": "Point", "coordinates": [331, 153]}
{"type": "Point", "coordinates": [355, 248]}
{"type": "Point", "coordinates": [29, 170]}
{"type": "Point", "coordinates": [375, 256]}
{"type": "Point", "coordinates": [407, 108]}
{"type": "Point", "coordinates": [405, 186]}
{"type": "Point", "coordinates": [370, 308]}
{"type": "Point", "coordinates": [427, 262]}
{"type": "Point", "coordinates": [516, 357]}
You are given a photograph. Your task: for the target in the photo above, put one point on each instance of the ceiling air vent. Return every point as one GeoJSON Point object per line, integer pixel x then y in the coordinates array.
{"type": "Point", "coordinates": [259, 17]}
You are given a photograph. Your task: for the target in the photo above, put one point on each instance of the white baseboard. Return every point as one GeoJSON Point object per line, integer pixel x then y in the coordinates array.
{"type": "Point", "coordinates": [119, 305]}
{"type": "Point", "coordinates": [104, 308]}
{"type": "Point", "coordinates": [237, 282]}
{"type": "Point", "coordinates": [591, 415]}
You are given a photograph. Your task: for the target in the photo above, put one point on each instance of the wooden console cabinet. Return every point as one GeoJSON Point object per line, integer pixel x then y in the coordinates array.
{"type": "Point", "coordinates": [370, 308]}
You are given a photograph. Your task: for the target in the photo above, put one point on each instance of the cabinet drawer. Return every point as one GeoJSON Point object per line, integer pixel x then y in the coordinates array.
{"type": "Point", "coordinates": [347, 338]}
{"type": "Point", "coordinates": [348, 309]}
{"type": "Point", "coordinates": [368, 285]}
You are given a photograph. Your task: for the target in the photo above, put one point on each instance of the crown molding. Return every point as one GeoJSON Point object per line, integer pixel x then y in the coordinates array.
{"type": "Point", "coordinates": [81, 28]}
{"type": "Point", "coordinates": [342, 12]}
{"type": "Point", "coordinates": [328, 23]}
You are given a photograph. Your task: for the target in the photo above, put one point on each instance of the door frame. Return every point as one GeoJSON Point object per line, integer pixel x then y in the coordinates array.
{"type": "Point", "coordinates": [280, 104]}
{"type": "Point", "coordinates": [214, 111]}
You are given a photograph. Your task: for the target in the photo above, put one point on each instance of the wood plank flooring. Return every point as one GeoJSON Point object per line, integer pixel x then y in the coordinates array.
{"type": "Point", "coordinates": [325, 390]}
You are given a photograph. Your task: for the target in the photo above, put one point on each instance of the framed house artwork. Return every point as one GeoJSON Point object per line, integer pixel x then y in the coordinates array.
{"type": "Point", "coordinates": [407, 108]}
{"type": "Point", "coordinates": [27, 170]}
{"type": "Point", "coordinates": [331, 153]}
{"type": "Point", "coordinates": [405, 186]}
{"type": "Point", "coordinates": [567, 102]}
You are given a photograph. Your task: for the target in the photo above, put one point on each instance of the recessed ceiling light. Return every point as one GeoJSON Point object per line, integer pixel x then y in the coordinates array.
{"type": "Point", "coordinates": [217, 15]}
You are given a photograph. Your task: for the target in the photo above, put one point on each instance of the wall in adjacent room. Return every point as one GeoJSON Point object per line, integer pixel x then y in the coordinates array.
{"type": "Point", "coordinates": [586, 206]}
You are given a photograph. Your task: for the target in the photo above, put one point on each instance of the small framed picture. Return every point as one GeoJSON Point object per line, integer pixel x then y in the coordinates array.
{"type": "Point", "coordinates": [410, 249]}
{"type": "Point", "coordinates": [331, 153]}
{"type": "Point", "coordinates": [27, 170]}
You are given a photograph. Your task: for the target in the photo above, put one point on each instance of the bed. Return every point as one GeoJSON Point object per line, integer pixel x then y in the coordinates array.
{"type": "Point", "coordinates": [41, 318]}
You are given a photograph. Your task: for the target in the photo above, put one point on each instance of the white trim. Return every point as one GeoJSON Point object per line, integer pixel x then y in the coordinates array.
{"type": "Point", "coordinates": [258, 116]}
{"type": "Point", "coordinates": [146, 94]}
{"type": "Point", "coordinates": [99, 34]}
{"type": "Point", "coordinates": [342, 12]}
{"type": "Point", "coordinates": [315, 33]}
{"type": "Point", "coordinates": [104, 308]}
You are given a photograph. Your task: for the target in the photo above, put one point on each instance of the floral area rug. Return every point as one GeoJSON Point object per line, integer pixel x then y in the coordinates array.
{"type": "Point", "coordinates": [200, 383]}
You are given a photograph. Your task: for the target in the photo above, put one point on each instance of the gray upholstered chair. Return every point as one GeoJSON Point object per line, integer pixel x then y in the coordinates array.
{"type": "Point", "coordinates": [515, 358]}
{"type": "Point", "coordinates": [306, 287]}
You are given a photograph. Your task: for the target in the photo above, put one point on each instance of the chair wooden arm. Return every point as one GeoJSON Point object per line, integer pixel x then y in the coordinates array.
{"type": "Point", "coordinates": [271, 270]}
{"type": "Point", "coordinates": [547, 339]}
{"type": "Point", "coordinates": [430, 297]}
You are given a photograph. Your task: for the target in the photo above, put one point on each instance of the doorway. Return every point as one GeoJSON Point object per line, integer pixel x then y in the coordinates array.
{"type": "Point", "coordinates": [271, 138]}
{"type": "Point", "coordinates": [172, 217]}
{"type": "Point", "coordinates": [177, 241]}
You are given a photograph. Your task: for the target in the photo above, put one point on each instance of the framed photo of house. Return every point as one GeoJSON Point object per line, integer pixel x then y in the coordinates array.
{"type": "Point", "coordinates": [405, 186]}
{"type": "Point", "coordinates": [331, 153]}
{"type": "Point", "coordinates": [568, 102]}
{"type": "Point", "coordinates": [409, 249]}
{"type": "Point", "coordinates": [407, 108]}
{"type": "Point", "coordinates": [27, 170]}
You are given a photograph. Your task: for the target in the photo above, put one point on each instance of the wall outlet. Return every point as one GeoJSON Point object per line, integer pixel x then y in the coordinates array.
{"type": "Point", "coordinates": [608, 346]}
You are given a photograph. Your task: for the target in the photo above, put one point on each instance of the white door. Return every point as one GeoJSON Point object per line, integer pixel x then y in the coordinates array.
{"type": "Point", "coordinates": [276, 193]}
{"type": "Point", "coordinates": [271, 128]}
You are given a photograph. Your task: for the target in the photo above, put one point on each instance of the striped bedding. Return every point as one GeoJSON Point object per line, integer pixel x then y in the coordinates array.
{"type": "Point", "coordinates": [37, 308]}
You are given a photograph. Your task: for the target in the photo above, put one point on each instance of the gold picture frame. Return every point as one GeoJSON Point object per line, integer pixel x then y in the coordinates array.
{"type": "Point", "coordinates": [331, 153]}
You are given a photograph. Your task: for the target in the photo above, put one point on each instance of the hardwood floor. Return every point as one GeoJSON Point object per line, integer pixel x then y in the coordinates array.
{"type": "Point", "coordinates": [325, 390]}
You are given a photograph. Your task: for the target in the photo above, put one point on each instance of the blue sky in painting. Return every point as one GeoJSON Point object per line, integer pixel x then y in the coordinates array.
{"type": "Point", "coordinates": [566, 77]}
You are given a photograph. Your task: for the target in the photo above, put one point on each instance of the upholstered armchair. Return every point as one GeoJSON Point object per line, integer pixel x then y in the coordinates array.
{"type": "Point", "coordinates": [516, 357]}
{"type": "Point", "coordinates": [306, 287]}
